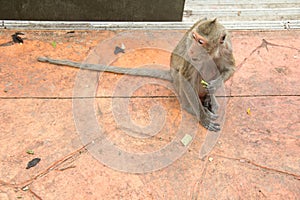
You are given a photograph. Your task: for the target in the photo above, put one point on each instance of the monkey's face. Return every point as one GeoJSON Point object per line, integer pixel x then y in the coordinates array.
{"type": "Point", "coordinates": [213, 37]}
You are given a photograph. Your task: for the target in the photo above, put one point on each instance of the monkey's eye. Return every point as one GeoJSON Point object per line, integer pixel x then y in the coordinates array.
{"type": "Point", "coordinates": [200, 41]}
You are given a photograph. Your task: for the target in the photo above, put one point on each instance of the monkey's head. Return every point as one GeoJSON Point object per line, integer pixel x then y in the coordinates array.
{"type": "Point", "coordinates": [213, 37]}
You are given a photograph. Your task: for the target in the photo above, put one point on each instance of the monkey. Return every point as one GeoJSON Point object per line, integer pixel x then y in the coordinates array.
{"type": "Point", "coordinates": [206, 39]}
{"type": "Point", "coordinates": [207, 42]}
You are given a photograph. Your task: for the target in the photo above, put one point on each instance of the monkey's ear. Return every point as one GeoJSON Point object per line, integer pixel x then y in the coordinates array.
{"type": "Point", "coordinates": [201, 20]}
{"type": "Point", "coordinates": [214, 21]}
{"type": "Point", "coordinates": [222, 39]}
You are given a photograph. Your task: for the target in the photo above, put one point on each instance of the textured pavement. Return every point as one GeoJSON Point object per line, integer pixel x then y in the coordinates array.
{"type": "Point", "coordinates": [256, 155]}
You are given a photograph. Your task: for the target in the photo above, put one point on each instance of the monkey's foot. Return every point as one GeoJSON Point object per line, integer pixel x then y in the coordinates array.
{"type": "Point", "coordinates": [211, 126]}
{"type": "Point", "coordinates": [213, 116]}
{"type": "Point", "coordinates": [210, 115]}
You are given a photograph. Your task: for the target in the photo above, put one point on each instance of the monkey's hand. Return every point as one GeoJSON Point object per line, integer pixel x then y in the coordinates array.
{"type": "Point", "coordinates": [213, 85]}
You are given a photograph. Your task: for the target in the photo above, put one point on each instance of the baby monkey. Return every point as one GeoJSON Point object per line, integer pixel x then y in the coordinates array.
{"type": "Point", "coordinates": [207, 42]}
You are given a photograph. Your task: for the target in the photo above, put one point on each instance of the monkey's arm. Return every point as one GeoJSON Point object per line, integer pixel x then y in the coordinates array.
{"type": "Point", "coordinates": [213, 85]}
{"type": "Point", "coordinates": [147, 72]}
{"type": "Point", "coordinates": [226, 67]}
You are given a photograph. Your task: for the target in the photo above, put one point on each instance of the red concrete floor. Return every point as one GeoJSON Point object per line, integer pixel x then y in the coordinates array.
{"type": "Point", "coordinates": [255, 157]}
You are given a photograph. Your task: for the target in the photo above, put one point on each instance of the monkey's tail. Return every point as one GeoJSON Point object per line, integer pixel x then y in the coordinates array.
{"type": "Point", "coordinates": [147, 72]}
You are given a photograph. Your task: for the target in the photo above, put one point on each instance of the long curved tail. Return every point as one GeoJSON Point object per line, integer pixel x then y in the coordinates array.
{"type": "Point", "coordinates": [154, 73]}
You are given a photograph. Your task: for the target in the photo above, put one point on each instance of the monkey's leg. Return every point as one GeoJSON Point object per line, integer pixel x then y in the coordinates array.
{"type": "Point", "coordinates": [185, 104]}
{"type": "Point", "coordinates": [187, 93]}
{"type": "Point", "coordinates": [210, 103]}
